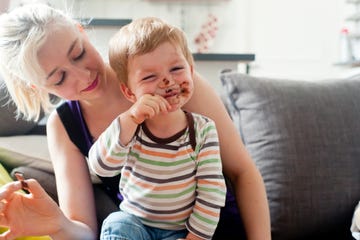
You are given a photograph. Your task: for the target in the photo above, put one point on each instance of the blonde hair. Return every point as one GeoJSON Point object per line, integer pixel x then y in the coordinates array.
{"type": "Point", "coordinates": [142, 36]}
{"type": "Point", "coordinates": [22, 32]}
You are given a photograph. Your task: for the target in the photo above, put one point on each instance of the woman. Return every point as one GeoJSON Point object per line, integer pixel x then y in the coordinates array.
{"type": "Point", "coordinates": [44, 52]}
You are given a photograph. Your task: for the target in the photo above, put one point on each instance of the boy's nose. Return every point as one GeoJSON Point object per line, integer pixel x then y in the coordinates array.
{"type": "Point", "coordinates": [165, 82]}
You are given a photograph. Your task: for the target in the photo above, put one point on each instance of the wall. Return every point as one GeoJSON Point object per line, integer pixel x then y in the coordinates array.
{"type": "Point", "coordinates": [291, 39]}
{"type": "Point", "coordinates": [298, 39]}
{"type": "Point", "coordinates": [188, 15]}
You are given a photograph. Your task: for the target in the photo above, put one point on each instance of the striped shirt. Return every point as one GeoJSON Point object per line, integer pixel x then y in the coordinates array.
{"type": "Point", "coordinates": [165, 182]}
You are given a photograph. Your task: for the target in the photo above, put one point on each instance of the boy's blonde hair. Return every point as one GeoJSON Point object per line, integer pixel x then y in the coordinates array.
{"type": "Point", "coordinates": [22, 33]}
{"type": "Point", "coordinates": [142, 36]}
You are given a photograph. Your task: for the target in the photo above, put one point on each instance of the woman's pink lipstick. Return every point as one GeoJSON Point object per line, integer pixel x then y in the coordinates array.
{"type": "Point", "coordinates": [92, 86]}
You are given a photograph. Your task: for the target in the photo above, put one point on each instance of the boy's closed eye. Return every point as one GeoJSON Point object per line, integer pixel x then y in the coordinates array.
{"type": "Point", "coordinates": [178, 68]}
{"type": "Point", "coordinates": [149, 77]}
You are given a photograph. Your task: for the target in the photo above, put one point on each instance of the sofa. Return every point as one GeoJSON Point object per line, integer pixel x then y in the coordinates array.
{"type": "Point", "coordinates": [304, 137]}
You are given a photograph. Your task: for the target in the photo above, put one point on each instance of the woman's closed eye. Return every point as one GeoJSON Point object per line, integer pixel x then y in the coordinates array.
{"type": "Point", "coordinates": [63, 73]}
{"type": "Point", "coordinates": [80, 56]}
{"type": "Point", "coordinates": [62, 78]}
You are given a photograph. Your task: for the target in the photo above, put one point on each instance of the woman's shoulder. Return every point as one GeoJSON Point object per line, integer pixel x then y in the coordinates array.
{"type": "Point", "coordinates": [200, 118]}
{"type": "Point", "coordinates": [54, 118]}
{"type": "Point", "coordinates": [59, 132]}
{"type": "Point", "coordinates": [53, 121]}
{"type": "Point", "coordinates": [203, 124]}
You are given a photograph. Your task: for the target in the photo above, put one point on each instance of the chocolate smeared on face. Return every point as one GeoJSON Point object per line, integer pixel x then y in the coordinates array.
{"type": "Point", "coordinates": [165, 83]}
{"type": "Point", "coordinates": [184, 89]}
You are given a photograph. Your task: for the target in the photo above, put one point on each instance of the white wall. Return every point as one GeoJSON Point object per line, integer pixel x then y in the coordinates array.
{"type": "Point", "coordinates": [298, 39]}
{"type": "Point", "coordinates": [291, 39]}
{"type": "Point", "coordinates": [189, 16]}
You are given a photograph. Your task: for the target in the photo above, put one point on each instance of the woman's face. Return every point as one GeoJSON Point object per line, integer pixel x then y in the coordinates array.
{"type": "Point", "coordinates": [74, 69]}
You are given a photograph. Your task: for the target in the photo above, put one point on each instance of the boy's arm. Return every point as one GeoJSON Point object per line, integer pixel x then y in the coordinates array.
{"type": "Point", "coordinates": [211, 188]}
{"type": "Point", "coordinates": [107, 154]}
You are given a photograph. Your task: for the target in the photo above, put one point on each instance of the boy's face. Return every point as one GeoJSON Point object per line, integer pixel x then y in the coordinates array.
{"type": "Point", "coordinates": [165, 72]}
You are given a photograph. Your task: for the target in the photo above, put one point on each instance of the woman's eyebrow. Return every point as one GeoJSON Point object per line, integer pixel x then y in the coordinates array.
{"type": "Point", "coordinates": [68, 53]}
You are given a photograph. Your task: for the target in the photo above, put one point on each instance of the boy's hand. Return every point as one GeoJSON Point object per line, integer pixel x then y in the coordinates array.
{"type": "Point", "coordinates": [191, 236]}
{"type": "Point", "coordinates": [148, 106]}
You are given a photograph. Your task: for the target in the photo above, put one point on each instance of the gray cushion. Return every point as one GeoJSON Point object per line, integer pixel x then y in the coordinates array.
{"type": "Point", "coordinates": [25, 150]}
{"type": "Point", "coordinates": [9, 125]}
{"type": "Point", "coordinates": [305, 139]}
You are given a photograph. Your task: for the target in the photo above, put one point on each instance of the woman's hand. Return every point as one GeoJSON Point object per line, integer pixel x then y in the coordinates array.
{"type": "Point", "coordinates": [33, 214]}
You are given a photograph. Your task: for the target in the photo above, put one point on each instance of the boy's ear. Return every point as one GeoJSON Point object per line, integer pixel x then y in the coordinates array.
{"type": "Point", "coordinates": [127, 93]}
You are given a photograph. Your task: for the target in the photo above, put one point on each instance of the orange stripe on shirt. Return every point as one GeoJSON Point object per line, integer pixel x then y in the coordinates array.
{"type": "Point", "coordinates": [213, 182]}
{"type": "Point", "coordinates": [206, 211]}
{"type": "Point", "coordinates": [106, 154]}
{"type": "Point", "coordinates": [158, 188]}
{"type": "Point", "coordinates": [207, 153]}
{"type": "Point", "coordinates": [168, 217]}
{"type": "Point", "coordinates": [161, 154]}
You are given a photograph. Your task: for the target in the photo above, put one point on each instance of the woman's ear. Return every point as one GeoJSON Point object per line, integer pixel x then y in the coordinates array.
{"type": "Point", "coordinates": [129, 95]}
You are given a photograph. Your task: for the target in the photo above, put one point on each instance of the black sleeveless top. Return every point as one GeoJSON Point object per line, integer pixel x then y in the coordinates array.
{"type": "Point", "coordinates": [72, 119]}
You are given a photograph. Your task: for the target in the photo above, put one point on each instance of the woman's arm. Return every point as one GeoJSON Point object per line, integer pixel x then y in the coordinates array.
{"type": "Point", "coordinates": [31, 214]}
{"type": "Point", "coordinates": [34, 214]}
{"type": "Point", "coordinates": [37, 214]}
{"type": "Point", "coordinates": [74, 187]}
{"type": "Point", "coordinates": [237, 163]}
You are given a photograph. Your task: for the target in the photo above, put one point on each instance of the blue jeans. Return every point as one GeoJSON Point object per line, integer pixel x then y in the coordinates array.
{"type": "Point", "coordinates": [123, 226]}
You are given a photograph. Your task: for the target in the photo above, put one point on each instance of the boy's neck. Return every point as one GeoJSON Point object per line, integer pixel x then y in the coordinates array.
{"type": "Point", "coordinates": [167, 125]}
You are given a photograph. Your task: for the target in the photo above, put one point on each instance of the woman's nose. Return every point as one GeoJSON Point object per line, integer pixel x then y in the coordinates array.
{"type": "Point", "coordinates": [82, 74]}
